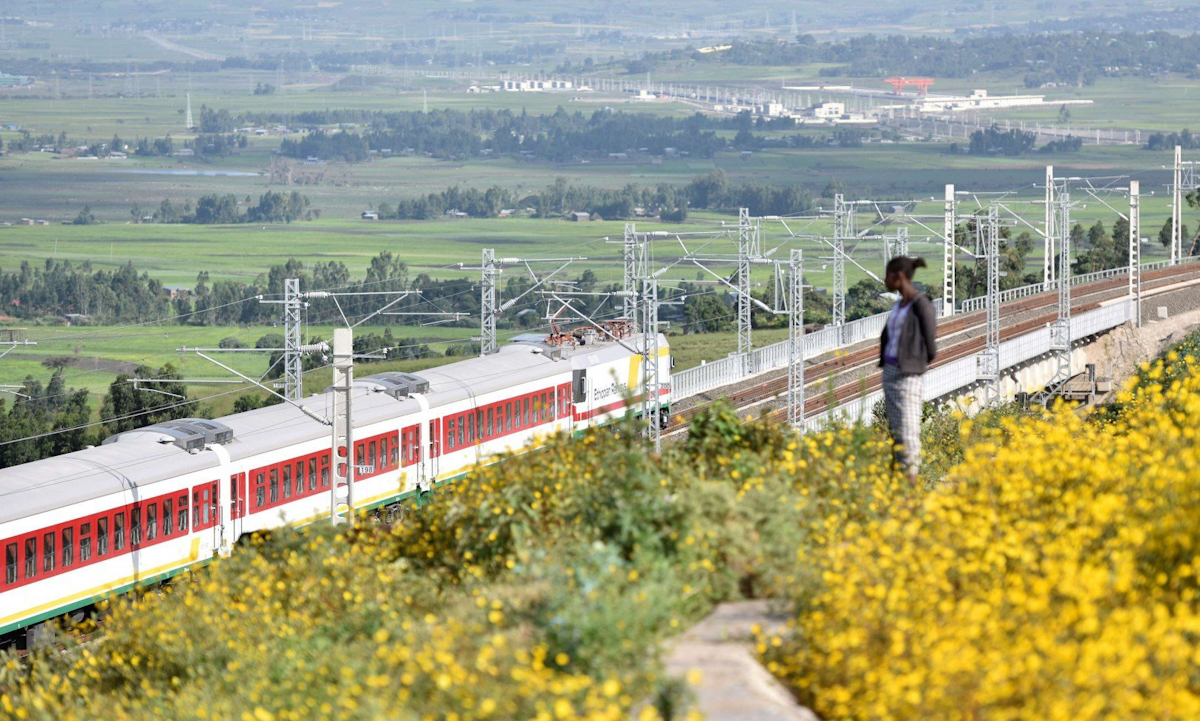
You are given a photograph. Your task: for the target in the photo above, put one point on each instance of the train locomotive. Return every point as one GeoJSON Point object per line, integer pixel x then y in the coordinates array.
{"type": "Point", "coordinates": [150, 503]}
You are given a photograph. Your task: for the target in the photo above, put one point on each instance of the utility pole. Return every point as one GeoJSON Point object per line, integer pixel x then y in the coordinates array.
{"type": "Point", "coordinates": [487, 307]}
{"type": "Point", "coordinates": [1048, 247]}
{"type": "Point", "coordinates": [651, 406]}
{"type": "Point", "coordinates": [843, 228]}
{"type": "Point", "coordinates": [895, 246]}
{"type": "Point", "coordinates": [490, 308]}
{"type": "Point", "coordinates": [1135, 251]}
{"type": "Point", "coordinates": [948, 255]}
{"type": "Point", "coordinates": [635, 255]}
{"type": "Point", "coordinates": [795, 309]}
{"type": "Point", "coordinates": [341, 500]}
{"type": "Point", "coordinates": [1177, 208]}
{"type": "Point", "coordinates": [293, 363]}
{"type": "Point", "coordinates": [987, 364]}
{"type": "Point", "coordinates": [749, 249]}
{"type": "Point", "coordinates": [1060, 329]}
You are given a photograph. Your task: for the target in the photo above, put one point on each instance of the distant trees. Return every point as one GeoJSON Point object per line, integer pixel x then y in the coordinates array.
{"type": "Point", "coordinates": [993, 140]}
{"type": "Point", "coordinates": [1168, 141]}
{"type": "Point", "coordinates": [58, 287]}
{"type": "Point", "coordinates": [349, 147]}
{"type": "Point", "coordinates": [1069, 144]}
{"type": "Point", "coordinates": [710, 192]}
{"type": "Point", "coordinates": [42, 421]}
{"type": "Point", "coordinates": [126, 406]}
{"type": "Point", "coordinates": [215, 121]}
{"type": "Point", "coordinates": [85, 217]}
{"type": "Point", "coordinates": [224, 208]}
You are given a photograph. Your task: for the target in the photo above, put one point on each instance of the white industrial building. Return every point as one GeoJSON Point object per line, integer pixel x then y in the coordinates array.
{"type": "Point", "coordinates": [977, 100]}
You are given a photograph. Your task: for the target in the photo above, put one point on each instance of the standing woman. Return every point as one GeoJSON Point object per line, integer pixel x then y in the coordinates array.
{"type": "Point", "coordinates": [908, 344]}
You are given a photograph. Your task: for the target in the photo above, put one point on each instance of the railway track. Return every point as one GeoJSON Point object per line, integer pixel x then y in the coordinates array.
{"type": "Point", "coordinates": [775, 386]}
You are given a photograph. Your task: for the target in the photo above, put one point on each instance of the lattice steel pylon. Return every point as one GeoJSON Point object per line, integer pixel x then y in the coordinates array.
{"type": "Point", "coordinates": [1177, 208]}
{"type": "Point", "coordinates": [341, 494]}
{"type": "Point", "coordinates": [895, 246]}
{"type": "Point", "coordinates": [948, 255]}
{"type": "Point", "coordinates": [1060, 329]}
{"type": "Point", "coordinates": [651, 407]}
{"type": "Point", "coordinates": [795, 308]}
{"type": "Point", "coordinates": [987, 364]}
{"type": "Point", "coordinates": [843, 228]}
{"type": "Point", "coordinates": [1048, 240]}
{"type": "Point", "coordinates": [293, 359]}
{"type": "Point", "coordinates": [749, 249]}
{"type": "Point", "coordinates": [635, 254]}
{"type": "Point", "coordinates": [488, 310]}
{"type": "Point", "coordinates": [1135, 252]}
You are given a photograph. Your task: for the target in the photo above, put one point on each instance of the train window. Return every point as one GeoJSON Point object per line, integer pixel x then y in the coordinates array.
{"type": "Point", "coordinates": [30, 557]}
{"type": "Point", "coordinates": [462, 430]}
{"type": "Point", "coordinates": [135, 526]}
{"type": "Point", "coordinates": [118, 531]}
{"type": "Point", "coordinates": [274, 472]}
{"type": "Point", "coordinates": [325, 471]}
{"type": "Point", "coordinates": [168, 512]}
{"type": "Point", "coordinates": [182, 517]}
{"type": "Point", "coordinates": [479, 425]}
{"type": "Point", "coordinates": [206, 507]}
{"type": "Point", "coordinates": [48, 552]}
{"type": "Point", "coordinates": [507, 416]}
{"type": "Point", "coordinates": [373, 456]}
{"type": "Point", "coordinates": [68, 546]}
{"type": "Point", "coordinates": [85, 542]}
{"type": "Point", "coordinates": [101, 536]}
{"type": "Point", "coordinates": [383, 452]}
{"type": "Point", "coordinates": [396, 451]}
{"type": "Point", "coordinates": [470, 428]}
{"type": "Point", "coordinates": [299, 478]}
{"type": "Point", "coordinates": [525, 404]}
{"type": "Point", "coordinates": [358, 456]}
{"type": "Point", "coordinates": [312, 474]}
{"type": "Point", "coordinates": [260, 491]}
{"type": "Point", "coordinates": [287, 481]}
{"type": "Point", "coordinates": [10, 563]}
{"type": "Point", "coordinates": [490, 428]}
{"type": "Point", "coordinates": [151, 521]}
{"type": "Point", "coordinates": [546, 412]}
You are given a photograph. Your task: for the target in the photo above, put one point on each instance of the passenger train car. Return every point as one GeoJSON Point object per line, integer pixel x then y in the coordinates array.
{"type": "Point", "coordinates": [150, 503]}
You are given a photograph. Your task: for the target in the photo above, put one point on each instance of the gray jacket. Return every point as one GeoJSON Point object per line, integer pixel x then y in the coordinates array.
{"type": "Point", "coordinates": [918, 337]}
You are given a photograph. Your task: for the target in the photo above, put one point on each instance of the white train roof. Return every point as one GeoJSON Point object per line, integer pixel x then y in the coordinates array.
{"type": "Point", "coordinates": [136, 459]}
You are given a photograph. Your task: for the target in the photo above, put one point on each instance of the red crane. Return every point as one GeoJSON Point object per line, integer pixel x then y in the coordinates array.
{"type": "Point", "coordinates": [921, 84]}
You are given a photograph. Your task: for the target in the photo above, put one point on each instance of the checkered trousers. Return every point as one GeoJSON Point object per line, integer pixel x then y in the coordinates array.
{"type": "Point", "coordinates": [902, 395]}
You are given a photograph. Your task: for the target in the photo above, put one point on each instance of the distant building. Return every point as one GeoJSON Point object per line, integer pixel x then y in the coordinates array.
{"type": "Point", "coordinates": [370, 215]}
{"type": "Point", "coordinates": [829, 110]}
{"type": "Point", "coordinates": [580, 217]}
{"type": "Point", "coordinates": [184, 152]}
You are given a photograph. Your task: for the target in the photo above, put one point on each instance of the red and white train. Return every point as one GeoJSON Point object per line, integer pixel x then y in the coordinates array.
{"type": "Point", "coordinates": [150, 503]}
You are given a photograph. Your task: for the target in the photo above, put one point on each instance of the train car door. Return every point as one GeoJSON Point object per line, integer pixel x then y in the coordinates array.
{"type": "Point", "coordinates": [237, 509]}
{"type": "Point", "coordinates": [435, 448]}
{"type": "Point", "coordinates": [581, 397]}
